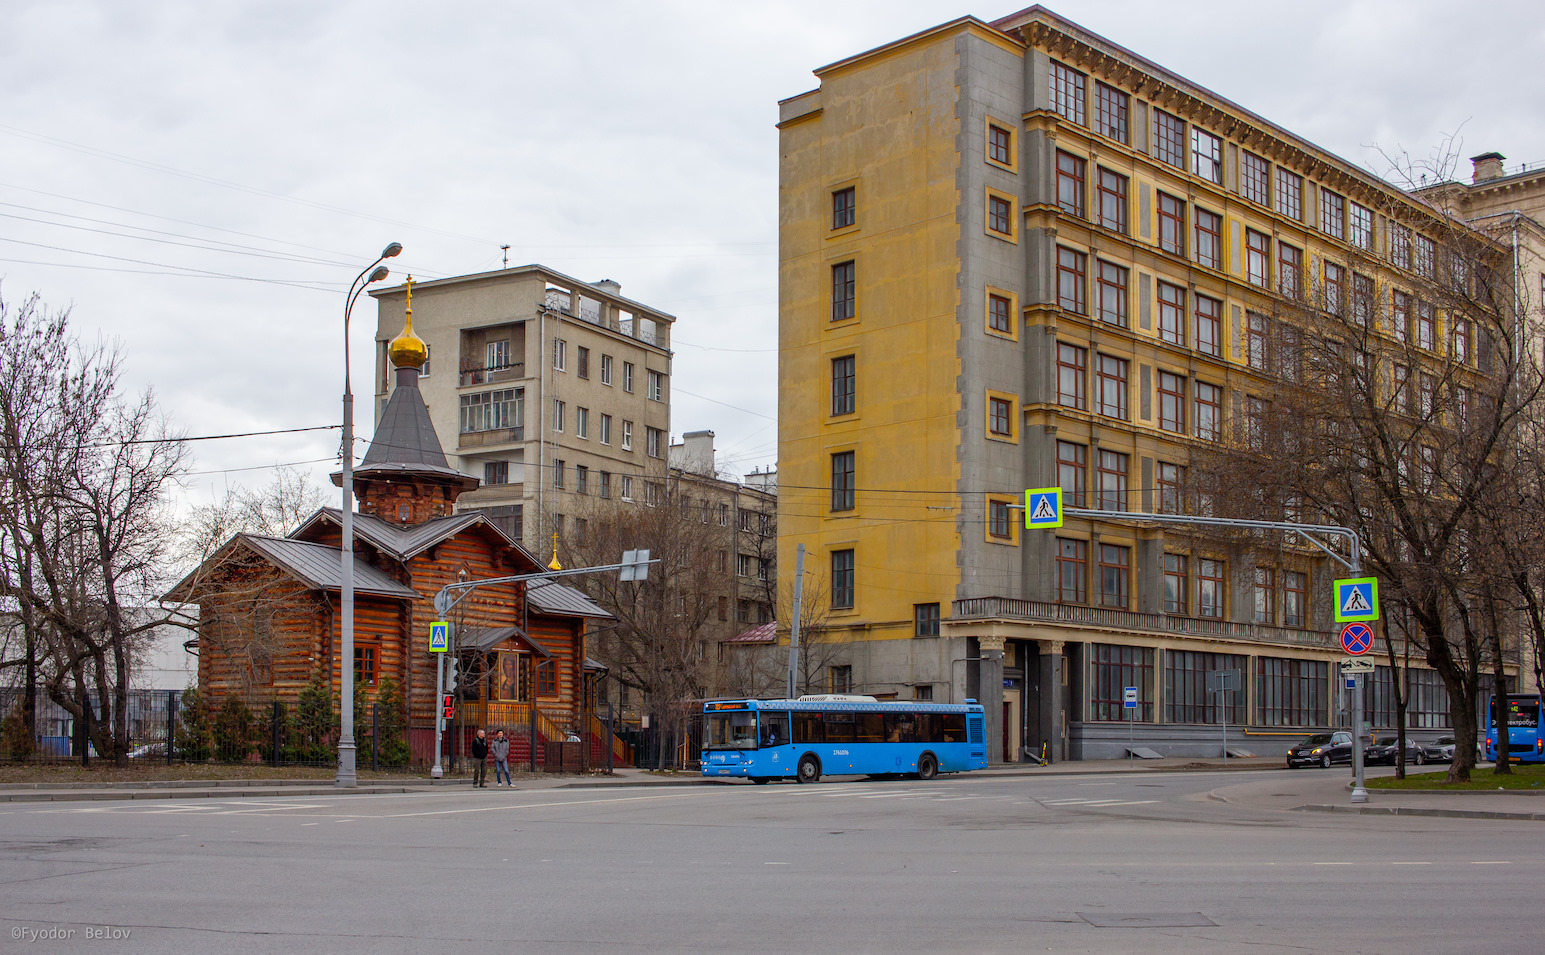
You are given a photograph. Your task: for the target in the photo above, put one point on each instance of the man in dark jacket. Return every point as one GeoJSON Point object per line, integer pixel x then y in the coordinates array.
{"type": "Point", "coordinates": [479, 759]}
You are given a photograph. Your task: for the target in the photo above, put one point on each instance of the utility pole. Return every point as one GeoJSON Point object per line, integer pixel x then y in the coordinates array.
{"type": "Point", "coordinates": [799, 594]}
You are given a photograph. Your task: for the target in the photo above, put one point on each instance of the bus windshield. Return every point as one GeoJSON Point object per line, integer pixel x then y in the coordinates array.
{"type": "Point", "coordinates": [736, 730]}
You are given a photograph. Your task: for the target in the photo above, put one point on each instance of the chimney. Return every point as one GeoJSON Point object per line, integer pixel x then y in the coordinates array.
{"type": "Point", "coordinates": [694, 454]}
{"type": "Point", "coordinates": [610, 287]}
{"type": "Point", "coordinates": [1487, 166]}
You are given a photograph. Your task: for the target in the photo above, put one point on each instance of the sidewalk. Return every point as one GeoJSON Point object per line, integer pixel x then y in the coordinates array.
{"type": "Point", "coordinates": [1331, 792]}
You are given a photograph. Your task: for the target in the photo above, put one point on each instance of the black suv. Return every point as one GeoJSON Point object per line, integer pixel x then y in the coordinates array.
{"type": "Point", "coordinates": [1322, 748]}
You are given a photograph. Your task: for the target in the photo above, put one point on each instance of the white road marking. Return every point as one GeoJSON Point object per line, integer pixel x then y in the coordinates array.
{"type": "Point", "coordinates": [1491, 863]}
{"type": "Point", "coordinates": [541, 805]}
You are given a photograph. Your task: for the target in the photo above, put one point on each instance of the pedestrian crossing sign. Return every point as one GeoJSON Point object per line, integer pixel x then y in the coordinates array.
{"type": "Point", "coordinates": [1357, 598]}
{"type": "Point", "coordinates": [439, 636]}
{"type": "Point", "coordinates": [1043, 508]}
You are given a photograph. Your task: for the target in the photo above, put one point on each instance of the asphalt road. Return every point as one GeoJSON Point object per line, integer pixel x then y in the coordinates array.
{"type": "Point", "coordinates": [1173, 862]}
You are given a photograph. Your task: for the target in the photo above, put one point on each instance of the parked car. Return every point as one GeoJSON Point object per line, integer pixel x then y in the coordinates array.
{"type": "Point", "coordinates": [1440, 750]}
{"type": "Point", "coordinates": [149, 749]}
{"type": "Point", "coordinates": [1386, 748]}
{"type": "Point", "coordinates": [1322, 748]}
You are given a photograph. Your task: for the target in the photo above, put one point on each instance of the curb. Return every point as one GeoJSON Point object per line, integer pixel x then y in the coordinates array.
{"type": "Point", "coordinates": [1414, 811]}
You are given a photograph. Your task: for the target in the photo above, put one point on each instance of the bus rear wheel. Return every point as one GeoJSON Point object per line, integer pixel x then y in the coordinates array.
{"type": "Point", "coordinates": [809, 769]}
{"type": "Point", "coordinates": [927, 766]}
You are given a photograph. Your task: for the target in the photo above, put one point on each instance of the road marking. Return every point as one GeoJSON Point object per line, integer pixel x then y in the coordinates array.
{"type": "Point", "coordinates": [1335, 863]}
{"type": "Point", "coordinates": [1410, 863]}
{"type": "Point", "coordinates": [543, 805]}
{"type": "Point", "coordinates": [1491, 863]}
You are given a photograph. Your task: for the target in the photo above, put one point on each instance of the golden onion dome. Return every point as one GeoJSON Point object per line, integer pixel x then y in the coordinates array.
{"type": "Point", "coordinates": [408, 350]}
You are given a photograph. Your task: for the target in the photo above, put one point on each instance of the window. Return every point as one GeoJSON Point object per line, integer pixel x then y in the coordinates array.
{"type": "Point", "coordinates": [1400, 316]}
{"type": "Point", "coordinates": [925, 622]}
{"type": "Point", "coordinates": [1335, 288]}
{"type": "Point", "coordinates": [606, 484]}
{"type": "Point", "coordinates": [844, 385]}
{"type": "Point", "coordinates": [844, 207]}
{"type": "Point", "coordinates": [1290, 194]}
{"type": "Point", "coordinates": [1186, 697]}
{"type": "Point", "coordinates": [1209, 326]}
{"type": "Point", "coordinates": [582, 422]}
{"type": "Point", "coordinates": [625, 488]}
{"type": "Point", "coordinates": [1425, 256]}
{"type": "Point", "coordinates": [654, 494]}
{"type": "Point", "coordinates": [1070, 184]}
{"type": "Point", "coordinates": [558, 414]}
{"type": "Point", "coordinates": [582, 362]}
{"type": "Point", "coordinates": [1289, 355]}
{"type": "Point", "coordinates": [1000, 314]}
{"type": "Point", "coordinates": [1110, 112]}
{"type": "Point", "coordinates": [1072, 471]}
{"type": "Point", "coordinates": [627, 435]}
{"type": "Point", "coordinates": [558, 473]}
{"type": "Point", "coordinates": [1111, 386]}
{"type": "Point", "coordinates": [1426, 467]}
{"type": "Point", "coordinates": [1209, 239]}
{"type": "Point", "coordinates": [1256, 411]}
{"type": "Point", "coordinates": [365, 665]}
{"type": "Point", "coordinates": [1290, 270]}
{"type": "Point", "coordinates": [496, 472]}
{"type": "Point", "coordinates": [842, 579]}
{"type": "Point", "coordinates": [493, 410]}
{"type": "Point", "coordinates": [1295, 598]}
{"type": "Point", "coordinates": [1176, 583]}
{"type": "Point", "coordinates": [1461, 340]}
{"type": "Point", "coordinates": [581, 479]}
{"type": "Point", "coordinates": [742, 565]}
{"type": "Point", "coordinates": [1172, 224]}
{"type": "Point", "coordinates": [429, 354]}
{"type": "Point", "coordinates": [1114, 572]}
{"type": "Point", "coordinates": [1072, 570]}
{"type": "Point", "coordinates": [1265, 595]}
{"type": "Point", "coordinates": [922, 691]}
{"type": "Point", "coordinates": [840, 678]}
{"type": "Point", "coordinates": [1070, 281]}
{"type": "Point", "coordinates": [606, 429]}
{"type": "Point", "coordinates": [1169, 478]}
{"type": "Point", "coordinates": [844, 302]}
{"type": "Point", "coordinates": [1209, 411]}
{"type": "Point", "coordinates": [1000, 215]}
{"type": "Point", "coordinates": [1169, 139]}
{"type": "Point", "coordinates": [843, 488]}
{"type": "Point", "coordinates": [1207, 156]}
{"type": "Point", "coordinates": [656, 386]}
{"type": "Point", "coordinates": [1257, 341]}
{"type": "Point", "coordinates": [1000, 145]}
{"type": "Point", "coordinates": [1111, 290]}
{"type": "Point", "coordinates": [1172, 402]}
{"type": "Point", "coordinates": [1426, 326]}
{"type": "Point", "coordinates": [1111, 670]}
{"type": "Point", "coordinates": [1000, 417]}
{"type": "Point", "coordinates": [627, 377]}
{"type": "Point", "coordinates": [497, 354]}
{"type": "Point", "coordinates": [1257, 258]}
{"type": "Point", "coordinates": [1111, 475]}
{"type": "Point", "coordinates": [1333, 214]}
{"type": "Point", "coordinates": [1400, 246]}
{"type": "Point", "coordinates": [1254, 178]}
{"type": "Point", "coordinates": [1361, 221]}
{"type": "Point", "coordinates": [1290, 692]}
{"type": "Point", "coordinates": [1072, 364]}
{"type": "Point", "coordinates": [560, 354]}
{"type": "Point", "coordinates": [1067, 93]}
{"type": "Point", "coordinates": [1362, 299]}
{"type": "Point", "coordinates": [1112, 201]}
{"type": "Point", "coordinates": [1209, 588]}
{"type": "Point", "coordinates": [606, 369]}
{"type": "Point", "coordinates": [653, 443]}
{"type": "Point", "coordinates": [999, 523]}
{"type": "Point", "coordinates": [1172, 313]}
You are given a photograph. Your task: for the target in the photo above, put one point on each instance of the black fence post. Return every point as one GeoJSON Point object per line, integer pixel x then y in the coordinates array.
{"type": "Point", "coordinates": [276, 720]}
{"type": "Point", "coordinates": [171, 724]}
{"type": "Point", "coordinates": [531, 734]}
{"type": "Point", "coordinates": [611, 739]}
{"type": "Point", "coordinates": [375, 737]}
{"type": "Point", "coordinates": [85, 729]}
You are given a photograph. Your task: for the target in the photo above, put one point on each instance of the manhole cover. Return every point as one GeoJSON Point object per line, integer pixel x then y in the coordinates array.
{"type": "Point", "coordinates": [1145, 919]}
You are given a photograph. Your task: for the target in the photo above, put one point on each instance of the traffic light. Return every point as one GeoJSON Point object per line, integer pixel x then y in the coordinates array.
{"type": "Point", "coordinates": [448, 706]}
{"type": "Point", "coordinates": [450, 676]}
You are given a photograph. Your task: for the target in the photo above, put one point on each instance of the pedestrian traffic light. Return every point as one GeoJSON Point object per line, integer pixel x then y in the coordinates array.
{"type": "Point", "coordinates": [450, 677]}
{"type": "Point", "coordinates": [448, 706]}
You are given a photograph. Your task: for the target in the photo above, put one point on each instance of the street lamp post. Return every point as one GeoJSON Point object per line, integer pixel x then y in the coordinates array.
{"type": "Point", "coordinates": [346, 776]}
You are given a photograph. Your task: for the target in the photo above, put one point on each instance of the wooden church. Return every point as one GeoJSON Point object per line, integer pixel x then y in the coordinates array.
{"type": "Point", "coordinates": [270, 607]}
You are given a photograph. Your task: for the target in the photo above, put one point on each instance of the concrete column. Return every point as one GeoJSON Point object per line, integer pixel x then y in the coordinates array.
{"type": "Point", "coordinates": [1053, 702]}
{"type": "Point", "coordinates": [991, 689]}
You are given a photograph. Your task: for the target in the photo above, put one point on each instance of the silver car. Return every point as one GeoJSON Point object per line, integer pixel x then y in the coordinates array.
{"type": "Point", "coordinates": [1440, 750]}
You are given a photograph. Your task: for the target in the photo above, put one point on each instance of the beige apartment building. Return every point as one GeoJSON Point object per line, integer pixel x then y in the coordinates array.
{"type": "Point", "coordinates": [550, 390]}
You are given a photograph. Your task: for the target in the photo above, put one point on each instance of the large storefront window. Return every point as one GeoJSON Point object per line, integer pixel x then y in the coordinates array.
{"type": "Point", "coordinates": [1426, 700]}
{"type": "Point", "coordinates": [1291, 692]}
{"type": "Point", "coordinates": [1186, 699]}
{"type": "Point", "coordinates": [1111, 670]}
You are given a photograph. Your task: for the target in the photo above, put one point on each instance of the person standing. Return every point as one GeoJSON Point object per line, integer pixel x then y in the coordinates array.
{"type": "Point", "coordinates": [500, 748]}
{"type": "Point", "coordinates": [480, 760]}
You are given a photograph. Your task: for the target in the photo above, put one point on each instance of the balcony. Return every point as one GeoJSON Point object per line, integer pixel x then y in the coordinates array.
{"type": "Point", "coordinates": [483, 439]}
{"type": "Point", "coordinates": [1150, 624]}
{"type": "Point", "coordinates": [474, 375]}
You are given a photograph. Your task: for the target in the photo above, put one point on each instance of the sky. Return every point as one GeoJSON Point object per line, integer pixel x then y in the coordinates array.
{"type": "Point", "coordinates": [199, 182]}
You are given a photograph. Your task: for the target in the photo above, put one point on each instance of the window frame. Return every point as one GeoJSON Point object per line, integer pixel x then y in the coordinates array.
{"type": "Point", "coordinates": [1114, 381]}
{"type": "Point", "coordinates": [1255, 178]}
{"type": "Point", "coordinates": [844, 291]}
{"type": "Point", "coordinates": [1257, 258]}
{"type": "Point", "coordinates": [1172, 402]}
{"type": "Point", "coordinates": [1072, 275]}
{"type": "Point", "coordinates": [1111, 487]}
{"type": "Point", "coordinates": [1208, 165]}
{"type": "Point", "coordinates": [1068, 89]}
{"type": "Point", "coordinates": [1111, 192]}
{"type": "Point", "coordinates": [1077, 372]}
{"type": "Point", "coordinates": [1072, 177]}
{"type": "Point", "coordinates": [1172, 313]}
{"type": "Point", "coordinates": [1214, 321]}
{"type": "Point", "coordinates": [844, 208]}
{"type": "Point", "coordinates": [844, 385]}
{"type": "Point", "coordinates": [1172, 224]}
{"type": "Point", "coordinates": [1111, 293]}
{"type": "Point", "coordinates": [1169, 138]}
{"type": "Point", "coordinates": [1112, 106]}
{"type": "Point", "coordinates": [844, 578]}
{"type": "Point", "coordinates": [1210, 252]}
{"type": "Point", "coordinates": [844, 481]}
{"type": "Point", "coordinates": [1073, 471]}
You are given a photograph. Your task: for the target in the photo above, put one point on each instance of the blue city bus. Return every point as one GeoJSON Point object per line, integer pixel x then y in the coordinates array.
{"type": "Point", "coordinates": [764, 740]}
{"type": "Point", "coordinates": [1524, 744]}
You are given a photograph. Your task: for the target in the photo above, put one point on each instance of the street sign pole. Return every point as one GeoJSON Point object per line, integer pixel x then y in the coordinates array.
{"type": "Point", "coordinates": [437, 771]}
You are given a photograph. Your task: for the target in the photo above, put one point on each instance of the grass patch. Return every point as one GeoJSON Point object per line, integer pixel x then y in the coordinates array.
{"type": "Point", "coordinates": [1530, 777]}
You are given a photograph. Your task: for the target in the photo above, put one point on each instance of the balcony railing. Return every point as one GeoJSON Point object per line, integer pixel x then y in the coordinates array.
{"type": "Point", "coordinates": [482, 439]}
{"type": "Point", "coordinates": [1106, 618]}
{"type": "Point", "coordinates": [472, 375]}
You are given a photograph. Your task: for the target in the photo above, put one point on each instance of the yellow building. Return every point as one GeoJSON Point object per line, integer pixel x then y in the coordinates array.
{"type": "Point", "coordinates": [1014, 255]}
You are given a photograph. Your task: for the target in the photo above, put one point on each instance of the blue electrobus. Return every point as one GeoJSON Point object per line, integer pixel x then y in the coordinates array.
{"type": "Point", "coordinates": [1524, 744]}
{"type": "Point", "coordinates": [764, 740]}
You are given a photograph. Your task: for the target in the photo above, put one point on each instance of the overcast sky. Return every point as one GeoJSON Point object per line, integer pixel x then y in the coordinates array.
{"type": "Point", "coordinates": [200, 181]}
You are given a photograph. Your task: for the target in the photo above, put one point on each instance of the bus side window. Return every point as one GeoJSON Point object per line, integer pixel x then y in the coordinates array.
{"type": "Point", "coordinates": [954, 727]}
{"type": "Point", "coordinates": [808, 728]}
{"type": "Point", "coordinates": [901, 728]}
{"type": "Point", "coordinates": [871, 727]}
{"type": "Point", "coordinates": [929, 728]}
{"type": "Point", "coordinates": [775, 729]}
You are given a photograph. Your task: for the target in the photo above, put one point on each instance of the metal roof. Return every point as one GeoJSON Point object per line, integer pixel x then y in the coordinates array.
{"type": "Point", "coordinates": [486, 638]}
{"type": "Point", "coordinates": [404, 543]}
{"type": "Point", "coordinates": [405, 435]}
{"type": "Point", "coordinates": [560, 600]}
{"type": "Point", "coordinates": [319, 566]}
{"type": "Point", "coordinates": [766, 633]}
